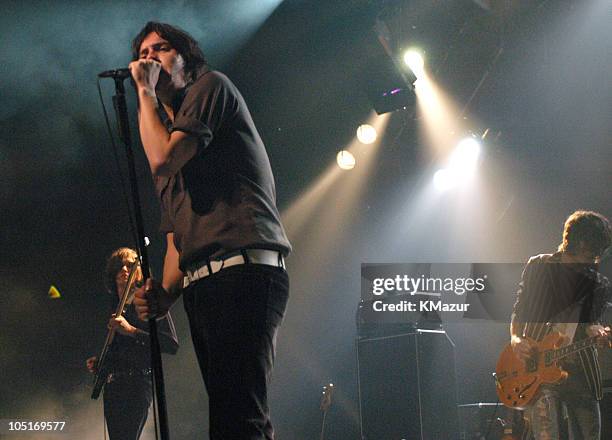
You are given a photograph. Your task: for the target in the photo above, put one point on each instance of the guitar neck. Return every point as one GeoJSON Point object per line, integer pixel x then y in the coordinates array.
{"type": "Point", "coordinates": [119, 311]}
{"type": "Point", "coordinates": [562, 352]}
{"type": "Point", "coordinates": [101, 374]}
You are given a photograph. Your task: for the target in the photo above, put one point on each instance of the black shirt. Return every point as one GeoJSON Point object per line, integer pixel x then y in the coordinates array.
{"type": "Point", "coordinates": [224, 198]}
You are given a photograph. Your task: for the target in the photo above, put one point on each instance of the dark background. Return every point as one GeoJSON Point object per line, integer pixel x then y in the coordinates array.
{"type": "Point", "coordinates": [546, 99]}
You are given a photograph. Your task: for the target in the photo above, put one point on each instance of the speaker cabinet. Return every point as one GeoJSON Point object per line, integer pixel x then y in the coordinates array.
{"type": "Point", "coordinates": [407, 387]}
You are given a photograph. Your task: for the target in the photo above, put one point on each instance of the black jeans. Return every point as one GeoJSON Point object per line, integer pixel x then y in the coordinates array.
{"type": "Point", "coordinates": [126, 405]}
{"type": "Point", "coordinates": [234, 316]}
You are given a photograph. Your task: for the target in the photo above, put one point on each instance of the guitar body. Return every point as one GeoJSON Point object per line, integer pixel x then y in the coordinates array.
{"type": "Point", "coordinates": [518, 381]}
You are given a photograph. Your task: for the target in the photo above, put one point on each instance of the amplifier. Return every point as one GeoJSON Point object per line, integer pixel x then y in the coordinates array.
{"type": "Point", "coordinates": [407, 387]}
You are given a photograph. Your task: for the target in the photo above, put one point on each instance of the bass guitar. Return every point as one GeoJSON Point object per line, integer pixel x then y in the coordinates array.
{"type": "Point", "coordinates": [101, 374]}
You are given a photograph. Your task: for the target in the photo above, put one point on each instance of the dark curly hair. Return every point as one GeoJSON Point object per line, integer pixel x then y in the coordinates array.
{"type": "Point", "coordinates": [588, 227]}
{"type": "Point", "coordinates": [180, 40]}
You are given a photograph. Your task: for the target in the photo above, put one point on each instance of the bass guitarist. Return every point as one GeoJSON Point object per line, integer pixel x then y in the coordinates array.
{"type": "Point", "coordinates": [128, 388]}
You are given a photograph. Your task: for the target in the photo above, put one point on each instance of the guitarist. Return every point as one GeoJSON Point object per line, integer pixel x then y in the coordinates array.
{"type": "Point", "coordinates": [128, 389]}
{"type": "Point", "coordinates": [565, 292]}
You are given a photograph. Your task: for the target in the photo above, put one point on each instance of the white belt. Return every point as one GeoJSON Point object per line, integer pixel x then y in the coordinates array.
{"type": "Point", "coordinates": [246, 256]}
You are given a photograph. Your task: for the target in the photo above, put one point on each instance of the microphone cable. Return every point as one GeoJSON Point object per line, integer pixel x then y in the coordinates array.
{"type": "Point", "coordinates": [131, 224]}
{"type": "Point", "coordinates": [122, 179]}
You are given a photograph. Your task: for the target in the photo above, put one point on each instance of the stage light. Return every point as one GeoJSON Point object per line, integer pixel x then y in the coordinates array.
{"type": "Point", "coordinates": [465, 157]}
{"type": "Point", "coordinates": [420, 85]}
{"type": "Point", "coordinates": [414, 60]}
{"type": "Point", "coordinates": [366, 134]}
{"type": "Point", "coordinates": [462, 165]}
{"type": "Point", "coordinates": [345, 160]}
{"type": "Point", "coordinates": [444, 179]}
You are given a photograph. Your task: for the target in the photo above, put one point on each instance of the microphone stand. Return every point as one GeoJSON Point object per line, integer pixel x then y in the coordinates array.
{"type": "Point", "coordinates": [119, 103]}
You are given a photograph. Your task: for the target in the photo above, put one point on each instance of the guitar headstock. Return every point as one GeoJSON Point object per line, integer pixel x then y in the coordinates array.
{"type": "Point", "coordinates": [134, 281]}
{"type": "Point", "coordinates": [326, 397]}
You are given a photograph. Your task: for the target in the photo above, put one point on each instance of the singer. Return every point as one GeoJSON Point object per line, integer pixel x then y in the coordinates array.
{"type": "Point", "coordinates": [225, 242]}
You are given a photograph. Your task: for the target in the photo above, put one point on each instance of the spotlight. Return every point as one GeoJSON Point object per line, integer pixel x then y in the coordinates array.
{"type": "Point", "coordinates": [345, 160]}
{"type": "Point", "coordinates": [366, 134]}
{"type": "Point", "coordinates": [465, 157]}
{"type": "Point", "coordinates": [414, 60]}
{"type": "Point", "coordinates": [443, 180]}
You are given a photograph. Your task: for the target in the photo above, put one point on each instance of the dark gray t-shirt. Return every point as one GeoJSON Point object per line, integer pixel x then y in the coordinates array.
{"type": "Point", "coordinates": [223, 199]}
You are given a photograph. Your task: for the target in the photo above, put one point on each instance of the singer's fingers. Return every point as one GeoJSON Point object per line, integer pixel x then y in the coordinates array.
{"type": "Point", "coordinates": [142, 308]}
{"type": "Point", "coordinates": [143, 313]}
{"type": "Point", "coordinates": [142, 66]}
{"type": "Point", "coordinates": [146, 63]}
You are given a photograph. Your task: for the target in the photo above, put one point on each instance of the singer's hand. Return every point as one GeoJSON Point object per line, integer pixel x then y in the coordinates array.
{"type": "Point", "coordinates": [145, 74]}
{"type": "Point", "coordinates": [152, 300]}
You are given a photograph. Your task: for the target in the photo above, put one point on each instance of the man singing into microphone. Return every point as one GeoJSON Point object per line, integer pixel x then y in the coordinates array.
{"type": "Point", "coordinates": [225, 242]}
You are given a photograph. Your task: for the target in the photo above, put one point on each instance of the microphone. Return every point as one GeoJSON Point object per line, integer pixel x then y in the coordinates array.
{"type": "Point", "coordinates": [121, 73]}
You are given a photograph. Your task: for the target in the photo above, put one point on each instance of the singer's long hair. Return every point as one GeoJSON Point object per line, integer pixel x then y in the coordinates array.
{"type": "Point", "coordinates": [180, 40]}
